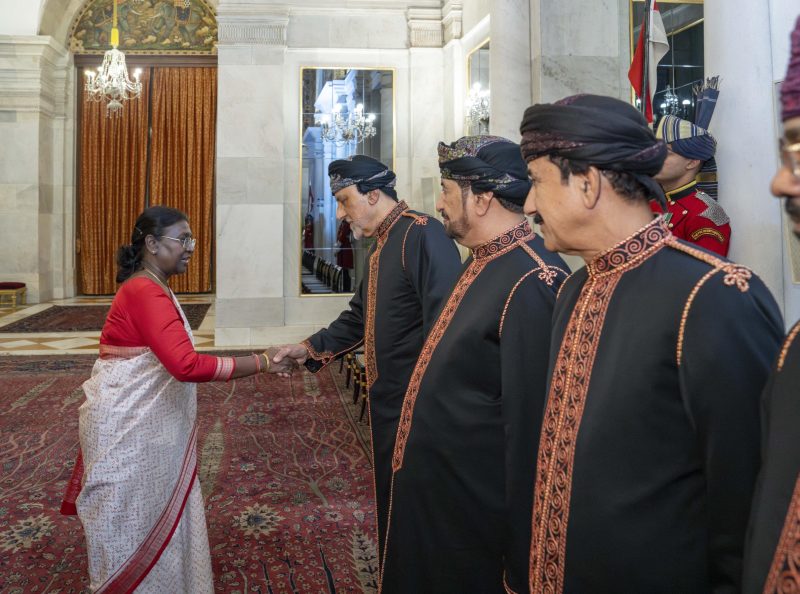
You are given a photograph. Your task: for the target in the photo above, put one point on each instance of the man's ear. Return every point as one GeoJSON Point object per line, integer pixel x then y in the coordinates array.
{"type": "Point", "coordinates": [373, 196]}
{"type": "Point", "coordinates": [588, 185]}
{"type": "Point", "coordinates": [693, 164]}
{"type": "Point", "coordinates": [482, 202]}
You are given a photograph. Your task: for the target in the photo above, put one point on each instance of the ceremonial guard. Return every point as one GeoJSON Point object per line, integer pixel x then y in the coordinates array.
{"type": "Point", "coordinates": [689, 176]}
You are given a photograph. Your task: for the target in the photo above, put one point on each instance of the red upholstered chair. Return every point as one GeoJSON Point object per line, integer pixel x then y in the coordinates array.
{"type": "Point", "coordinates": [13, 291]}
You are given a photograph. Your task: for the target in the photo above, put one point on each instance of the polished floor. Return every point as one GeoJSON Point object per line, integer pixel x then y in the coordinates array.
{"type": "Point", "coordinates": [32, 343]}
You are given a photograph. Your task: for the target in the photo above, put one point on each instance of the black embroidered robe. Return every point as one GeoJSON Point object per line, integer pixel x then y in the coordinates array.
{"type": "Point", "coordinates": [772, 555]}
{"type": "Point", "coordinates": [461, 486]}
{"type": "Point", "coordinates": [649, 447]}
{"type": "Point", "coordinates": [410, 271]}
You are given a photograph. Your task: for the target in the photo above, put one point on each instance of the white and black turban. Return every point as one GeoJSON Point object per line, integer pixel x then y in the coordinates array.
{"type": "Point", "coordinates": [365, 173]}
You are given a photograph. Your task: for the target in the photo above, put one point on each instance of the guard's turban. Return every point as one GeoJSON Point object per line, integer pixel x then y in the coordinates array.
{"type": "Point", "coordinates": [489, 164]}
{"type": "Point", "coordinates": [790, 89]}
{"type": "Point", "coordinates": [364, 172]}
{"type": "Point", "coordinates": [600, 131]}
{"type": "Point", "coordinates": [686, 139]}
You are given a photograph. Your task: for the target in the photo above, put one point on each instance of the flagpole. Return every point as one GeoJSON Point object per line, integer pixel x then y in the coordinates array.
{"type": "Point", "coordinates": [646, 52]}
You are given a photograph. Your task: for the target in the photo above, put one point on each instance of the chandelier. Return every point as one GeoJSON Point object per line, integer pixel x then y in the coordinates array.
{"type": "Point", "coordinates": [671, 104]}
{"type": "Point", "coordinates": [478, 106]}
{"type": "Point", "coordinates": [353, 128]}
{"type": "Point", "coordinates": [111, 81]}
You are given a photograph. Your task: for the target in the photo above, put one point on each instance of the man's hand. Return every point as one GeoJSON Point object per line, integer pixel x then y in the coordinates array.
{"type": "Point", "coordinates": [285, 358]}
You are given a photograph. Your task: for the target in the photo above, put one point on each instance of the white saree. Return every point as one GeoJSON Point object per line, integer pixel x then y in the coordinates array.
{"type": "Point", "coordinates": [139, 501]}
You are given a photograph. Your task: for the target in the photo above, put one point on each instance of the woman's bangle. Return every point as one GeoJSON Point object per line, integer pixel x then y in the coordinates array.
{"type": "Point", "coordinates": [258, 363]}
{"type": "Point", "coordinates": [266, 361]}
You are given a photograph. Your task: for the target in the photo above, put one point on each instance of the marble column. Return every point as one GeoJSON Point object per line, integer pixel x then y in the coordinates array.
{"type": "Point", "coordinates": [250, 173]}
{"type": "Point", "coordinates": [386, 123]}
{"type": "Point", "coordinates": [426, 107]}
{"type": "Point", "coordinates": [509, 66]}
{"type": "Point", "coordinates": [746, 154]}
{"type": "Point", "coordinates": [36, 209]}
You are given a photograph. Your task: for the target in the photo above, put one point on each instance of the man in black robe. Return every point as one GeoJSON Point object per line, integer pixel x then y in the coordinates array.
{"type": "Point", "coordinates": [410, 271]}
{"type": "Point", "coordinates": [772, 554]}
{"type": "Point", "coordinates": [649, 443]}
{"type": "Point", "coordinates": [461, 487]}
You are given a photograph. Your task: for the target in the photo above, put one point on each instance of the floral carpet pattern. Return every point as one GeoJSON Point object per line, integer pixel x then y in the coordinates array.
{"type": "Point", "coordinates": [286, 480]}
{"type": "Point", "coordinates": [86, 318]}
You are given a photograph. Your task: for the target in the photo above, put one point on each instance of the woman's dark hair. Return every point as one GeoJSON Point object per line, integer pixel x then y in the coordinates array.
{"type": "Point", "coordinates": [152, 221]}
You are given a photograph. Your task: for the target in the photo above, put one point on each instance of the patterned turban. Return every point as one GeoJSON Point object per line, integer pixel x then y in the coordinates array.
{"type": "Point", "coordinates": [600, 131]}
{"type": "Point", "coordinates": [686, 139]}
{"type": "Point", "coordinates": [790, 89]}
{"type": "Point", "coordinates": [489, 164]}
{"type": "Point", "coordinates": [364, 172]}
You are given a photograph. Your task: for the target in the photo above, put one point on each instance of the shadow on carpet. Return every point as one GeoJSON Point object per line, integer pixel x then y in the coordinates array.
{"type": "Point", "coordinates": [286, 482]}
{"type": "Point", "coordinates": [86, 318]}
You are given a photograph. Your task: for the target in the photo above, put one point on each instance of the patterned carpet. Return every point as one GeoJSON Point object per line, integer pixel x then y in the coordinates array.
{"type": "Point", "coordinates": [86, 318]}
{"type": "Point", "coordinates": [283, 469]}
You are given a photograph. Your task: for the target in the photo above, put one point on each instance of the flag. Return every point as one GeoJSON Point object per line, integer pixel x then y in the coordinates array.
{"type": "Point", "coordinates": [651, 47]}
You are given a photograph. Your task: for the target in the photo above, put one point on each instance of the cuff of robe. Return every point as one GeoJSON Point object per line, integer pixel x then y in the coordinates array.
{"type": "Point", "coordinates": [316, 361]}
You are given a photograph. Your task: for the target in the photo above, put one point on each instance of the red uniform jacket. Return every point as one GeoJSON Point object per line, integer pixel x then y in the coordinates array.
{"type": "Point", "coordinates": [696, 217]}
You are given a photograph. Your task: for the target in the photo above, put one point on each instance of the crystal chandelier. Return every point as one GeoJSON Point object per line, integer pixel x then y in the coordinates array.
{"type": "Point", "coordinates": [478, 106]}
{"type": "Point", "coordinates": [671, 104]}
{"type": "Point", "coordinates": [111, 81]}
{"type": "Point", "coordinates": [354, 128]}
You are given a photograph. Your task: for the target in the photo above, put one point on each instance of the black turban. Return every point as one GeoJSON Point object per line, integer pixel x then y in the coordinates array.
{"type": "Point", "coordinates": [489, 163]}
{"type": "Point", "coordinates": [601, 131]}
{"type": "Point", "coordinates": [364, 172]}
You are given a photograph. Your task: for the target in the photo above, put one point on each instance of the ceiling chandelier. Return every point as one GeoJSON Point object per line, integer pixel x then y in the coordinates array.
{"type": "Point", "coordinates": [353, 128]}
{"type": "Point", "coordinates": [671, 104]}
{"type": "Point", "coordinates": [111, 82]}
{"type": "Point", "coordinates": [478, 107]}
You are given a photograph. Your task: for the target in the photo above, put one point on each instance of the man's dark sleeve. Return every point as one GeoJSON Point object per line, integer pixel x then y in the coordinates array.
{"type": "Point", "coordinates": [729, 342]}
{"type": "Point", "coordinates": [524, 356]}
{"type": "Point", "coordinates": [343, 335]}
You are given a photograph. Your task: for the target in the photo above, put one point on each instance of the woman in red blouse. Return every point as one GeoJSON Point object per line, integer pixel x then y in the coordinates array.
{"type": "Point", "coordinates": [134, 487]}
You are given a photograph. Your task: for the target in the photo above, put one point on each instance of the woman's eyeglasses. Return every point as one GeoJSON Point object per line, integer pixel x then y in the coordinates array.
{"type": "Point", "coordinates": [188, 243]}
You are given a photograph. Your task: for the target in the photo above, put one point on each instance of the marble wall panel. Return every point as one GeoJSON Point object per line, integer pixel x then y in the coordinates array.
{"type": "Point", "coordinates": [249, 251]}
{"type": "Point", "coordinates": [250, 312]}
{"type": "Point", "coordinates": [316, 311]}
{"type": "Point", "coordinates": [559, 76]}
{"type": "Point", "coordinates": [579, 28]}
{"type": "Point", "coordinates": [249, 121]}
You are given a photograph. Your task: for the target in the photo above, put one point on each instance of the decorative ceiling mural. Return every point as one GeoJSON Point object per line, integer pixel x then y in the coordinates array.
{"type": "Point", "coordinates": [146, 27]}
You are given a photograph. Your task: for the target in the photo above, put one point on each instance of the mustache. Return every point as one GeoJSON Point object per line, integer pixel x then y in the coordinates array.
{"type": "Point", "coordinates": [537, 218]}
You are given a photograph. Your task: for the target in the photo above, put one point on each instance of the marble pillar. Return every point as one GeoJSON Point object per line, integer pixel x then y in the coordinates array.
{"type": "Point", "coordinates": [746, 154]}
{"type": "Point", "coordinates": [36, 232]}
{"type": "Point", "coordinates": [250, 172]}
{"type": "Point", "coordinates": [509, 66]}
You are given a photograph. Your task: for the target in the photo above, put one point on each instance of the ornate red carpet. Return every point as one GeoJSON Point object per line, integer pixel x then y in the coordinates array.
{"type": "Point", "coordinates": [87, 318]}
{"type": "Point", "coordinates": [286, 480]}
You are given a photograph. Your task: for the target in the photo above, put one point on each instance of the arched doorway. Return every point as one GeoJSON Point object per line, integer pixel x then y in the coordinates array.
{"type": "Point", "coordinates": [161, 149]}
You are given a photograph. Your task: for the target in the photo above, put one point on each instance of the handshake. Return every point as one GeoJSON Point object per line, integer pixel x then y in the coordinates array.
{"type": "Point", "coordinates": [285, 359]}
